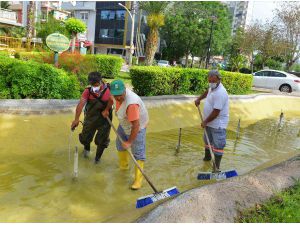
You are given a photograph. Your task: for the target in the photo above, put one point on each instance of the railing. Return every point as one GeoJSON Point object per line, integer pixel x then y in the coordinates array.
{"type": "Point", "coordinates": [19, 43]}
{"type": "Point", "coordinates": [8, 15]}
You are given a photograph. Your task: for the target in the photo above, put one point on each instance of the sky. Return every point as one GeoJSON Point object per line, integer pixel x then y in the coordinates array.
{"type": "Point", "coordinates": [262, 10]}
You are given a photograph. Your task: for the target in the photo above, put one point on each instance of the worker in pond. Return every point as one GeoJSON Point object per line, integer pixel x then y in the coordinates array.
{"type": "Point", "coordinates": [98, 102]}
{"type": "Point", "coordinates": [133, 119]}
{"type": "Point", "coordinates": [216, 116]}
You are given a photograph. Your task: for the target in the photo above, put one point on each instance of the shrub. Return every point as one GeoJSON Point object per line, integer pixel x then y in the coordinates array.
{"type": "Point", "coordinates": [35, 80]}
{"type": "Point", "coordinates": [4, 71]}
{"type": "Point", "coordinates": [109, 66]}
{"type": "Point", "coordinates": [152, 80]}
{"type": "Point", "coordinates": [40, 57]}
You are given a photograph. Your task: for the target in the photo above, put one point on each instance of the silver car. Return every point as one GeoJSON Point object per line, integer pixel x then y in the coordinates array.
{"type": "Point", "coordinates": [163, 63]}
{"type": "Point", "coordinates": [277, 80]}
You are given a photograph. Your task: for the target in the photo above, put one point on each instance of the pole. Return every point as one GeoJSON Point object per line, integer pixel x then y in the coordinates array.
{"type": "Point", "coordinates": [132, 30]}
{"type": "Point", "coordinates": [209, 43]}
{"type": "Point", "coordinates": [56, 59]}
{"type": "Point", "coordinates": [131, 37]}
{"type": "Point", "coordinates": [252, 63]}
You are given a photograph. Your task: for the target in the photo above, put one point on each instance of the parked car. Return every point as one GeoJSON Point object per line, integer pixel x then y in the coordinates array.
{"type": "Point", "coordinates": [163, 63]}
{"type": "Point", "coordinates": [295, 73]}
{"type": "Point", "coordinates": [275, 79]}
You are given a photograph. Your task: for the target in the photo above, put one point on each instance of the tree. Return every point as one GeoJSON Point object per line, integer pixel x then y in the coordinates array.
{"type": "Point", "coordinates": [30, 20]}
{"type": "Point", "coordinates": [4, 4]}
{"type": "Point", "coordinates": [288, 22]}
{"type": "Point", "coordinates": [188, 26]}
{"type": "Point", "coordinates": [237, 62]}
{"type": "Point", "coordinates": [155, 20]}
{"type": "Point", "coordinates": [51, 26]}
{"type": "Point", "coordinates": [75, 26]}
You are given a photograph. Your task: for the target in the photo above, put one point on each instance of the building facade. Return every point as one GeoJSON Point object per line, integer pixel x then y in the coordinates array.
{"type": "Point", "coordinates": [85, 11]}
{"type": "Point", "coordinates": [113, 29]}
{"type": "Point", "coordinates": [240, 13]}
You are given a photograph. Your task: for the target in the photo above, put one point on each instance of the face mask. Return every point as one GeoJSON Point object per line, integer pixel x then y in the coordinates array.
{"type": "Point", "coordinates": [213, 85]}
{"type": "Point", "coordinates": [95, 89]}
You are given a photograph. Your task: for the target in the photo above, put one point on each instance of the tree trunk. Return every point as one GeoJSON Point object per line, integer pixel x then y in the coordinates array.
{"type": "Point", "coordinates": [30, 21]}
{"type": "Point", "coordinates": [192, 61]}
{"type": "Point", "coordinates": [186, 60]}
{"type": "Point", "coordinates": [73, 42]}
{"type": "Point", "coordinates": [151, 46]}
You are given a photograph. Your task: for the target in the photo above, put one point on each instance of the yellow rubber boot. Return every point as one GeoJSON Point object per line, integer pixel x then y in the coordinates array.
{"type": "Point", "coordinates": [138, 176]}
{"type": "Point", "coordinates": [123, 160]}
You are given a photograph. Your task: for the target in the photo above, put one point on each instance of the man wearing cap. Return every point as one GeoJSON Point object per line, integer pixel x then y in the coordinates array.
{"type": "Point", "coordinates": [216, 116]}
{"type": "Point", "coordinates": [98, 102]}
{"type": "Point", "coordinates": [133, 118]}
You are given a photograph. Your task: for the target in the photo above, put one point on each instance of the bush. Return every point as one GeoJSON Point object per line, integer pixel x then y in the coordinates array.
{"type": "Point", "coordinates": [245, 70]}
{"type": "Point", "coordinates": [4, 71]}
{"type": "Point", "coordinates": [40, 57]}
{"type": "Point", "coordinates": [109, 66]}
{"type": "Point", "coordinates": [35, 80]}
{"type": "Point", "coordinates": [152, 80]}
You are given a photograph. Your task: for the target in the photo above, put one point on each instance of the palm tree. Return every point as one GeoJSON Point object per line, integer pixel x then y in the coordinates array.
{"type": "Point", "coordinates": [30, 20]}
{"type": "Point", "coordinates": [4, 4]}
{"type": "Point", "coordinates": [155, 20]}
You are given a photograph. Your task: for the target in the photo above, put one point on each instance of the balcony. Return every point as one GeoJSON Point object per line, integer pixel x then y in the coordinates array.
{"type": "Point", "coordinates": [8, 18]}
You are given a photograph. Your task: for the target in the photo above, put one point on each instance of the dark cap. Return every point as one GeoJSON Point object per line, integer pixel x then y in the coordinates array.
{"type": "Point", "coordinates": [214, 73]}
{"type": "Point", "coordinates": [94, 77]}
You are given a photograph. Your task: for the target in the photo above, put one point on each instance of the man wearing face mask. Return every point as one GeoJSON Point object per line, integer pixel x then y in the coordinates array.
{"type": "Point", "coordinates": [216, 116]}
{"type": "Point", "coordinates": [98, 102]}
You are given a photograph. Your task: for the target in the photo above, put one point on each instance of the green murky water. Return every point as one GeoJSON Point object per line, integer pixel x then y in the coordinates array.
{"type": "Point", "coordinates": [36, 175]}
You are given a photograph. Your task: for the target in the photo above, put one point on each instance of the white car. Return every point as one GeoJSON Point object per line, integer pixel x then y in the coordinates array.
{"type": "Point", "coordinates": [163, 63]}
{"type": "Point", "coordinates": [277, 80]}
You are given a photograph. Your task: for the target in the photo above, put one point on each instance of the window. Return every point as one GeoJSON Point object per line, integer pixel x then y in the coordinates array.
{"type": "Point", "coordinates": [259, 74]}
{"type": "Point", "coordinates": [112, 15]}
{"type": "Point", "coordinates": [119, 33]}
{"type": "Point", "coordinates": [108, 14]}
{"type": "Point", "coordinates": [105, 14]}
{"type": "Point", "coordinates": [106, 33]}
{"type": "Point", "coordinates": [120, 14]}
{"type": "Point", "coordinates": [263, 74]}
{"type": "Point", "coordinates": [84, 16]}
{"type": "Point", "coordinates": [278, 74]}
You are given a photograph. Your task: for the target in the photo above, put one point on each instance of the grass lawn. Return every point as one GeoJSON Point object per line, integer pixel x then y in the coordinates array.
{"type": "Point", "coordinates": [124, 76]}
{"type": "Point", "coordinates": [282, 208]}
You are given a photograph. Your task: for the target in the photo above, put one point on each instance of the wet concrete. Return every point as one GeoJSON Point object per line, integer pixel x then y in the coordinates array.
{"type": "Point", "coordinates": [222, 201]}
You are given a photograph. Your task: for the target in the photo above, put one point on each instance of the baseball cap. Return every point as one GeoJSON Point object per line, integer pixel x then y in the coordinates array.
{"type": "Point", "coordinates": [117, 87]}
{"type": "Point", "coordinates": [214, 73]}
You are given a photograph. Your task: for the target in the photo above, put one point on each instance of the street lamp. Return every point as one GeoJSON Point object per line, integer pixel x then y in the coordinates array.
{"type": "Point", "coordinates": [254, 53]}
{"type": "Point", "coordinates": [213, 18]}
{"type": "Point", "coordinates": [132, 31]}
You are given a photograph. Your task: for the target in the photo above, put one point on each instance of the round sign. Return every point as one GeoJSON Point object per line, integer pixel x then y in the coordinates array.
{"type": "Point", "coordinates": [58, 42]}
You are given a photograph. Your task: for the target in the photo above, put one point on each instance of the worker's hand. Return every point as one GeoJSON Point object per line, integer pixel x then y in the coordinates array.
{"type": "Point", "coordinates": [126, 144]}
{"type": "Point", "coordinates": [197, 102]}
{"type": "Point", "coordinates": [105, 113]}
{"type": "Point", "coordinates": [203, 124]}
{"type": "Point", "coordinates": [74, 124]}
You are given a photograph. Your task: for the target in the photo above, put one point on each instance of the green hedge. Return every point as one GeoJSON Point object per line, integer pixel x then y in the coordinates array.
{"type": "Point", "coordinates": [20, 79]}
{"type": "Point", "coordinates": [109, 66]}
{"type": "Point", "coordinates": [152, 80]}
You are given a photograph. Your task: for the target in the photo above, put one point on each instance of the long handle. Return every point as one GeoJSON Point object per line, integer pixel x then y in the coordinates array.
{"type": "Point", "coordinates": [76, 162]}
{"type": "Point", "coordinates": [132, 157]}
{"type": "Point", "coordinates": [208, 142]}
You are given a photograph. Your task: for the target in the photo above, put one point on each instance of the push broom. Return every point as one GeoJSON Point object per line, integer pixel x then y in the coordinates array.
{"type": "Point", "coordinates": [215, 174]}
{"type": "Point", "coordinates": [157, 195]}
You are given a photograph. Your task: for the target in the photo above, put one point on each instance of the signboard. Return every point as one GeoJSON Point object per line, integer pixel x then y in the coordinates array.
{"type": "Point", "coordinates": [57, 42]}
